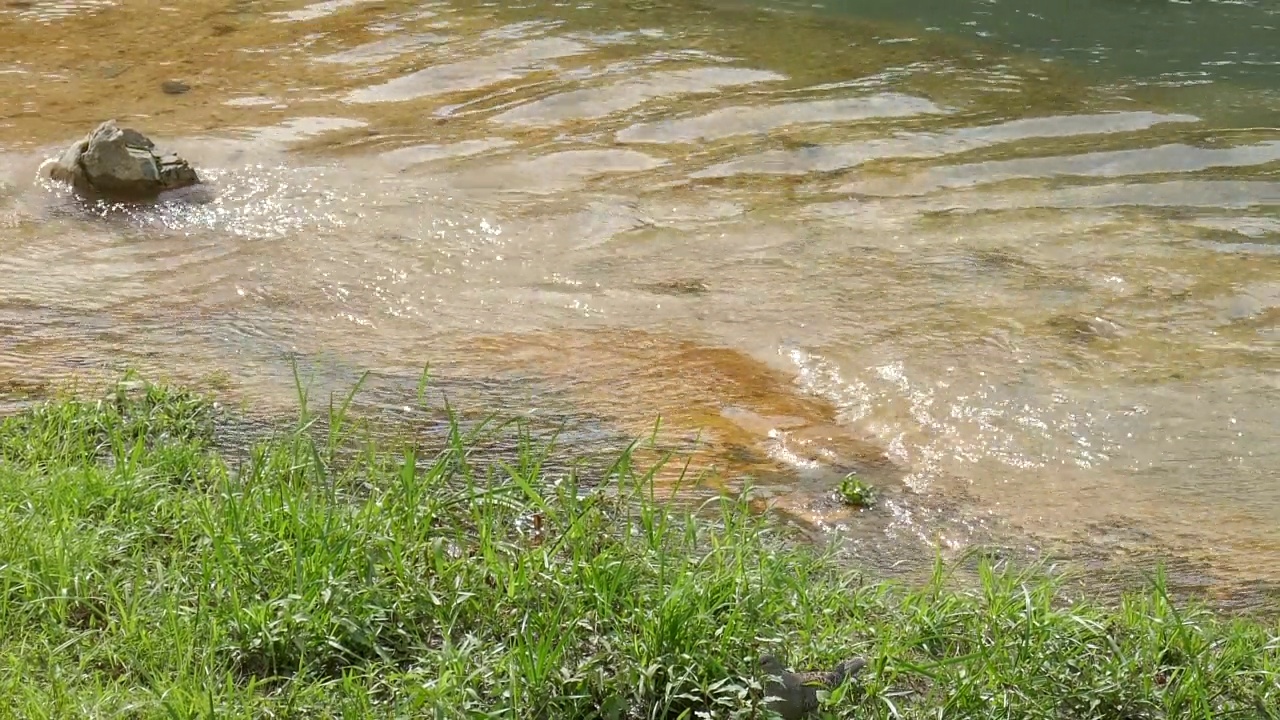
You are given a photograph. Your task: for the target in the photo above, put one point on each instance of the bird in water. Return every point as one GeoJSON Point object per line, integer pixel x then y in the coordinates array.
{"type": "Point", "coordinates": [796, 693]}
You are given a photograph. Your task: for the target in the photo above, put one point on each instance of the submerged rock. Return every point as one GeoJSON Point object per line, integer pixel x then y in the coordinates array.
{"type": "Point", "coordinates": [1086, 328]}
{"type": "Point", "coordinates": [121, 163]}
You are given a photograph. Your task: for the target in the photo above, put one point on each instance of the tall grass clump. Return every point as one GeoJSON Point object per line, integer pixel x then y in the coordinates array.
{"type": "Point", "coordinates": [147, 572]}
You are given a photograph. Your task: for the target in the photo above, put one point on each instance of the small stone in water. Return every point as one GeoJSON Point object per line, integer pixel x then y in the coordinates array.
{"type": "Point", "coordinates": [174, 87]}
{"type": "Point", "coordinates": [122, 163]}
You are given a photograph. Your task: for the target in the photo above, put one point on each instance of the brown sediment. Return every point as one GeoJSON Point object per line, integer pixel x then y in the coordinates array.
{"type": "Point", "coordinates": [92, 64]}
{"type": "Point", "coordinates": [747, 415]}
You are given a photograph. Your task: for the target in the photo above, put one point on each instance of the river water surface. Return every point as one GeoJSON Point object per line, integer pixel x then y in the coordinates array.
{"type": "Point", "coordinates": [1016, 262]}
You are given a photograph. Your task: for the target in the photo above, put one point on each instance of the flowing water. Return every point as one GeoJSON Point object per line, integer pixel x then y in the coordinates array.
{"type": "Point", "coordinates": [1016, 262]}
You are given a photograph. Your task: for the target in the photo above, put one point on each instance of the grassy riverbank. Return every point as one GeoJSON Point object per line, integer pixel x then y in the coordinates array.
{"type": "Point", "coordinates": [145, 571]}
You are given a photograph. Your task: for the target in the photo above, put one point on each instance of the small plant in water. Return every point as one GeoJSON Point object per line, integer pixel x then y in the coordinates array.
{"type": "Point", "coordinates": [856, 492]}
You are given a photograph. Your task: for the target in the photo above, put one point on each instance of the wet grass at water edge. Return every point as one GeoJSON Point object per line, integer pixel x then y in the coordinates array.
{"type": "Point", "coordinates": [146, 571]}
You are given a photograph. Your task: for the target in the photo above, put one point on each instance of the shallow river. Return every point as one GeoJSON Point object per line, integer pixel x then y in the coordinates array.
{"type": "Point", "coordinates": [1018, 263]}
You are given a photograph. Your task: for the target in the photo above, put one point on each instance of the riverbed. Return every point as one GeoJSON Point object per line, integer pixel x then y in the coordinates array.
{"type": "Point", "coordinates": [1021, 277]}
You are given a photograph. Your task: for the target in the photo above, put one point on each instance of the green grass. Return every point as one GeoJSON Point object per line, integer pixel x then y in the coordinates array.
{"type": "Point", "coordinates": [145, 572]}
{"type": "Point", "coordinates": [855, 492]}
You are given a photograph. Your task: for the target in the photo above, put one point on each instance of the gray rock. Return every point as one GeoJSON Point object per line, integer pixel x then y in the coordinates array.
{"type": "Point", "coordinates": [121, 163]}
{"type": "Point", "coordinates": [174, 87]}
{"type": "Point", "coordinates": [796, 694]}
{"type": "Point", "coordinates": [1086, 328]}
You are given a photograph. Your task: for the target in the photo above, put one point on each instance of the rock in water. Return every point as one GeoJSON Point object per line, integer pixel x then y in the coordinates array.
{"type": "Point", "coordinates": [174, 87]}
{"type": "Point", "coordinates": [796, 693]}
{"type": "Point", "coordinates": [121, 163]}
